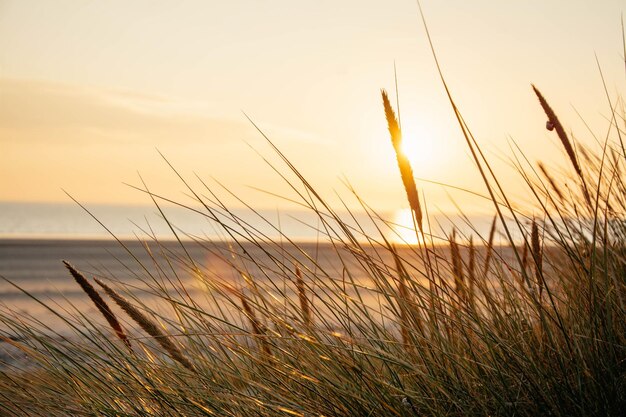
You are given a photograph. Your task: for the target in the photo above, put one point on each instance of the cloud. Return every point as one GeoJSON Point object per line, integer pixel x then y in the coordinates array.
{"type": "Point", "coordinates": [56, 112]}
{"type": "Point", "coordinates": [38, 111]}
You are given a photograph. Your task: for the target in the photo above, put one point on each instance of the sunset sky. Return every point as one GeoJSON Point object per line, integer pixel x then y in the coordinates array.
{"type": "Point", "coordinates": [90, 89]}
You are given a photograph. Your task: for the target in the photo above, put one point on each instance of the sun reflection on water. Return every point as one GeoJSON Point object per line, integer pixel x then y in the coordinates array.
{"type": "Point", "coordinates": [403, 228]}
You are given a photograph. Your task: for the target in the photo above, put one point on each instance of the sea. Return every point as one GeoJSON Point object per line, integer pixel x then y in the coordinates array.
{"type": "Point", "coordinates": [133, 248]}
{"type": "Point", "coordinates": [126, 244]}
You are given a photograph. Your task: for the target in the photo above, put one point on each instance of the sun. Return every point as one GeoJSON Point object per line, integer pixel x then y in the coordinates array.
{"type": "Point", "coordinates": [422, 152]}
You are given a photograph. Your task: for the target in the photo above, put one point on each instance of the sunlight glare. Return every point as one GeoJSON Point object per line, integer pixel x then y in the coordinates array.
{"type": "Point", "coordinates": [421, 153]}
{"type": "Point", "coordinates": [421, 149]}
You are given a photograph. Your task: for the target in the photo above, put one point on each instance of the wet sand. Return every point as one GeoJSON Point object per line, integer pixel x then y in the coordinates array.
{"type": "Point", "coordinates": [35, 266]}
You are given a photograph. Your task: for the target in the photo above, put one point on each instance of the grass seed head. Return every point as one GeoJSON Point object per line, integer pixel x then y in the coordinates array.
{"type": "Point", "coordinates": [406, 171]}
{"type": "Point", "coordinates": [147, 325]}
{"type": "Point", "coordinates": [100, 304]}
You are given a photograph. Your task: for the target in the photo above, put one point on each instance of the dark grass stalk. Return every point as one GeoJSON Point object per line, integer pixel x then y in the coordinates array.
{"type": "Point", "coordinates": [457, 267]}
{"type": "Point", "coordinates": [492, 183]}
{"type": "Point", "coordinates": [537, 257]}
{"type": "Point", "coordinates": [257, 327]}
{"type": "Point", "coordinates": [100, 304]}
{"type": "Point", "coordinates": [489, 254]}
{"type": "Point", "coordinates": [471, 271]}
{"type": "Point", "coordinates": [554, 124]}
{"type": "Point", "coordinates": [147, 325]}
{"type": "Point", "coordinates": [404, 295]}
{"type": "Point", "coordinates": [551, 181]}
{"type": "Point", "coordinates": [489, 178]}
{"type": "Point", "coordinates": [305, 310]}
{"type": "Point", "coordinates": [524, 256]}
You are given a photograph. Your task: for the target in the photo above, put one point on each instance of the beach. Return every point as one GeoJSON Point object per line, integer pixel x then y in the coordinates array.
{"type": "Point", "coordinates": [35, 266]}
{"type": "Point", "coordinates": [33, 272]}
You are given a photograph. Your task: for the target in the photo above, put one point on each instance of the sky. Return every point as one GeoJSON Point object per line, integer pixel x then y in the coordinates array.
{"type": "Point", "coordinates": [89, 90]}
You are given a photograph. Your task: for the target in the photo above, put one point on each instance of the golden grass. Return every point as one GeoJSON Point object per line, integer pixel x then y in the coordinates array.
{"type": "Point", "coordinates": [406, 171]}
{"type": "Point", "coordinates": [384, 342]}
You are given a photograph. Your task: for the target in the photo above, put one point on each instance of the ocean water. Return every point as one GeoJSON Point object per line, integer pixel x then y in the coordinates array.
{"type": "Point", "coordinates": [70, 221]}
{"type": "Point", "coordinates": [34, 238]}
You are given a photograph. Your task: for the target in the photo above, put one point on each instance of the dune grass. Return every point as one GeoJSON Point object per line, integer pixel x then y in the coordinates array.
{"type": "Point", "coordinates": [535, 327]}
